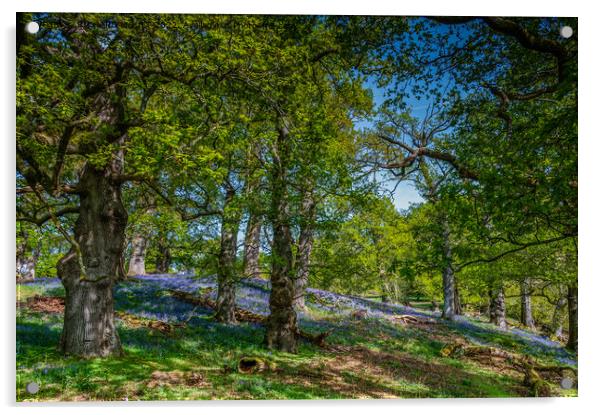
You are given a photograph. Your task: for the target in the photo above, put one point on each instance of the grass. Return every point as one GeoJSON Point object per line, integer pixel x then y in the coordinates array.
{"type": "Point", "coordinates": [375, 359]}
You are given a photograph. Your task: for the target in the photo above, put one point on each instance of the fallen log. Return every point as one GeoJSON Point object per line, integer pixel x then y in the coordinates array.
{"type": "Point", "coordinates": [157, 325]}
{"type": "Point", "coordinates": [206, 302]}
{"type": "Point", "coordinates": [248, 365]}
{"type": "Point", "coordinates": [409, 319]}
{"type": "Point", "coordinates": [247, 316]}
{"type": "Point", "coordinates": [203, 301]}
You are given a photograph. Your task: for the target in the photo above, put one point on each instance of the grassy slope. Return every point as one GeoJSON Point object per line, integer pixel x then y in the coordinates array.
{"type": "Point", "coordinates": [375, 359]}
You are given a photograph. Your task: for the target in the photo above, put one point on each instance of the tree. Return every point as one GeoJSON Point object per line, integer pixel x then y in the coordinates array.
{"type": "Point", "coordinates": [87, 103]}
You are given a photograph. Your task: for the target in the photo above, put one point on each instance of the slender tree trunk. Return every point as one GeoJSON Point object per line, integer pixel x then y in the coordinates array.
{"type": "Point", "coordinates": [435, 306]}
{"type": "Point", "coordinates": [281, 326]}
{"type": "Point", "coordinates": [305, 246]}
{"type": "Point", "coordinates": [526, 315]}
{"type": "Point", "coordinates": [26, 264]}
{"type": "Point", "coordinates": [26, 261]}
{"type": "Point", "coordinates": [226, 272]}
{"type": "Point", "coordinates": [163, 258]}
{"type": "Point", "coordinates": [385, 297]}
{"type": "Point", "coordinates": [557, 317]}
{"type": "Point", "coordinates": [449, 285]}
{"type": "Point", "coordinates": [485, 307]}
{"type": "Point", "coordinates": [89, 328]}
{"type": "Point", "coordinates": [498, 308]}
{"type": "Point", "coordinates": [136, 266]}
{"type": "Point", "coordinates": [252, 246]}
{"type": "Point", "coordinates": [26, 268]}
{"type": "Point", "coordinates": [573, 320]}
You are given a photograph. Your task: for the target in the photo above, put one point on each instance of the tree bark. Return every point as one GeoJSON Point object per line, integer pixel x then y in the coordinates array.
{"type": "Point", "coordinates": [449, 285]}
{"type": "Point", "coordinates": [573, 320]}
{"type": "Point", "coordinates": [137, 266]}
{"type": "Point", "coordinates": [281, 325]}
{"type": "Point", "coordinates": [226, 272]}
{"type": "Point", "coordinates": [457, 301]}
{"type": "Point", "coordinates": [526, 315]}
{"type": "Point", "coordinates": [304, 247]}
{"type": "Point", "coordinates": [252, 246]}
{"type": "Point", "coordinates": [89, 328]}
{"type": "Point", "coordinates": [498, 308]}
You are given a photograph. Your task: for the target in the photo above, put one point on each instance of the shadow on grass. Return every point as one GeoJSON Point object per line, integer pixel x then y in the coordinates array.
{"type": "Point", "coordinates": [364, 373]}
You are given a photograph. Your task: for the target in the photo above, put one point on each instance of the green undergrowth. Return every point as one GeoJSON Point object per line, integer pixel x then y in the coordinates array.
{"type": "Point", "coordinates": [371, 358]}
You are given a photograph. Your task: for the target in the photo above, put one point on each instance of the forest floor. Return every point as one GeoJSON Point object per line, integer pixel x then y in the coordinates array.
{"type": "Point", "coordinates": [175, 351]}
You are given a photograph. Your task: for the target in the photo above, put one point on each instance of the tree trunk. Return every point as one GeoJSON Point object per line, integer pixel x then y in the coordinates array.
{"type": "Point", "coordinates": [281, 326]}
{"type": "Point", "coordinates": [384, 297]}
{"type": "Point", "coordinates": [163, 258]}
{"type": "Point", "coordinates": [526, 315]}
{"type": "Point", "coordinates": [89, 328]}
{"type": "Point", "coordinates": [557, 317]}
{"type": "Point", "coordinates": [26, 261]}
{"type": "Point", "coordinates": [136, 266]}
{"type": "Point", "coordinates": [572, 302]}
{"type": "Point", "coordinates": [498, 308]}
{"type": "Point", "coordinates": [457, 301]}
{"type": "Point", "coordinates": [305, 246]}
{"type": "Point", "coordinates": [226, 272]}
{"type": "Point", "coordinates": [449, 285]}
{"type": "Point", "coordinates": [252, 246]}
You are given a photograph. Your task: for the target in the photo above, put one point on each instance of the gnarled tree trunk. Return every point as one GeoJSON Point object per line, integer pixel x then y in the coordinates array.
{"type": "Point", "coordinates": [89, 328]}
{"type": "Point", "coordinates": [281, 326]}
{"type": "Point", "coordinates": [497, 308]}
{"type": "Point", "coordinates": [136, 266]}
{"type": "Point", "coordinates": [226, 272]}
{"type": "Point", "coordinates": [573, 320]}
{"type": "Point", "coordinates": [526, 315]}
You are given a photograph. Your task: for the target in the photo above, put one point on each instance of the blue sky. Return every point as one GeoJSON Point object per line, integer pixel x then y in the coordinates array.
{"type": "Point", "coordinates": [404, 193]}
